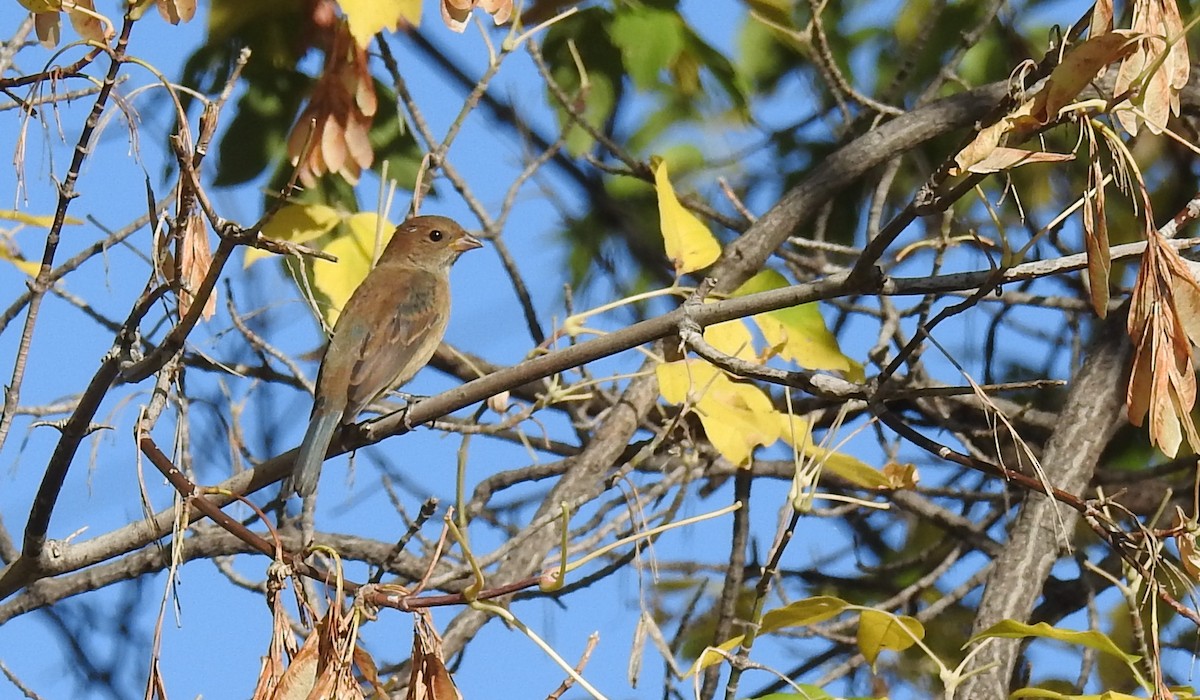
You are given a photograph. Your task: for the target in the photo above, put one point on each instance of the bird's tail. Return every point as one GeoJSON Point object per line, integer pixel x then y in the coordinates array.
{"type": "Point", "coordinates": [307, 470]}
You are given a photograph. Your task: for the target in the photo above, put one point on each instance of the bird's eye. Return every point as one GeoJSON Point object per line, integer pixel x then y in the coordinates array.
{"type": "Point", "coordinates": [435, 235]}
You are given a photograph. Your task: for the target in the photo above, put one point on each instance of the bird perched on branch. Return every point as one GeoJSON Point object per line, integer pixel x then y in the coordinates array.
{"type": "Point", "coordinates": [387, 332]}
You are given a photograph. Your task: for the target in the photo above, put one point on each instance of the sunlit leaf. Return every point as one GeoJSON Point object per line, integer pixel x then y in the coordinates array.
{"type": "Point", "coordinates": [195, 258]}
{"type": "Point", "coordinates": [801, 613]}
{"type": "Point", "coordinates": [731, 338]}
{"type": "Point", "coordinates": [736, 417]}
{"type": "Point", "coordinates": [1054, 695]}
{"type": "Point", "coordinates": [989, 138]}
{"type": "Point", "coordinates": [1092, 639]}
{"type": "Point", "coordinates": [356, 251]}
{"type": "Point", "coordinates": [689, 243]}
{"type": "Point", "coordinates": [1095, 231]}
{"type": "Point", "coordinates": [296, 223]}
{"type": "Point", "coordinates": [428, 677]}
{"type": "Point", "coordinates": [879, 631]}
{"type": "Point", "coordinates": [1156, 70]}
{"type": "Point", "coordinates": [711, 656]}
{"type": "Point", "coordinates": [798, 333]}
{"type": "Point", "coordinates": [176, 11]}
{"type": "Point", "coordinates": [29, 267]}
{"type": "Point", "coordinates": [45, 221]}
{"type": "Point", "coordinates": [839, 464]}
{"type": "Point", "coordinates": [369, 17]}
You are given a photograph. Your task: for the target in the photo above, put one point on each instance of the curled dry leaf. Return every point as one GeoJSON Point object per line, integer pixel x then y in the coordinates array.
{"type": "Point", "coordinates": [1095, 228]}
{"type": "Point", "coordinates": [176, 11]}
{"type": "Point", "coordinates": [429, 679]}
{"type": "Point", "coordinates": [1102, 18]}
{"type": "Point", "coordinates": [1185, 540]}
{"type": "Point", "coordinates": [195, 257]}
{"type": "Point", "coordinates": [283, 642]}
{"type": "Point", "coordinates": [455, 13]}
{"type": "Point", "coordinates": [332, 134]}
{"type": "Point", "coordinates": [1164, 322]}
{"type": "Point", "coordinates": [1079, 66]}
{"type": "Point", "coordinates": [82, 13]}
{"type": "Point", "coordinates": [1162, 49]}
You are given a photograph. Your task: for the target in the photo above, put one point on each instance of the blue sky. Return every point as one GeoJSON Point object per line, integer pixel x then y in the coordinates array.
{"type": "Point", "coordinates": [214, 651]}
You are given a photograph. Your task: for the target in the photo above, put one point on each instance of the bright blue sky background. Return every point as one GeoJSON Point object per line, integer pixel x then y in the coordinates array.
{"type": "Point", "coordinates": [215, 650]}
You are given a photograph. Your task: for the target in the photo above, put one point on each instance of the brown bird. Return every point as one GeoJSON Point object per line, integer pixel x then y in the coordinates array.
{"type": "Point", "coordinates": [387, 332]}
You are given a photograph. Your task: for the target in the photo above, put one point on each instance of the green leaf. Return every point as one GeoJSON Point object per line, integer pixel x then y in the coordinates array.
{"type": "Point", "coordinates": [809, 611]}
{"type": "Point", "coordinates": [649, 40]}
{"type": "Point", "coordinates": [588, 32]}
{"type": "Point", "coordinates": [880, 631]}
{"type": "Point", "coordinates": [257, 136]}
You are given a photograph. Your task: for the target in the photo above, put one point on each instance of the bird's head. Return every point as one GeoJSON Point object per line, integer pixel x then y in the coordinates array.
{"type": "Point", "coordinates": [429, 242]}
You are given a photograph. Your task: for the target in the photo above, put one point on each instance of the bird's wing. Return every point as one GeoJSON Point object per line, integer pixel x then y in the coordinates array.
{"type": "Point", "coordinates": [407, 317]}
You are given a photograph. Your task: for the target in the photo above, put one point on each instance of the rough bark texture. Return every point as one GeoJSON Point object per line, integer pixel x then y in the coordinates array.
{"type": "Point", "coordinates": [1093, 411]}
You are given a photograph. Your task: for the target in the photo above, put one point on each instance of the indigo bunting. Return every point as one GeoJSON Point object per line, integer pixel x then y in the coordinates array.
{"type": "Point", "coordinates": [388, 330]}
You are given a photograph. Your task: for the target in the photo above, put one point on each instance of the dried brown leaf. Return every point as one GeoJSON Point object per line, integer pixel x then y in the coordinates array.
{"type": "Point", "coordinates": [300, 678]}
{"type": "Point", "coordinates": [195, 259]}
{"type": "Point", "coordinates": [429, 679]}
{"type": "Point", "coordinates": [455, 13]}
{"type": "Point", "coordinates": [1102, 18]}
{"type": "Point", "coordinates": [1095, 230]}
{"type": "Point", "coordinates": [1005, 158]}
{"type": "Point", "coordinates": [1078, 68]}
{"type": "Point", "coordinates": [87, 23]}
{"type": "Point", "coordinates": [1158, 24]}
{"type": "Point", "coordinates": [176, 11]}
{"type": "Point", "coordinates": [1162, 381]}
{"type": "Point", "coordinates": [339, 116]}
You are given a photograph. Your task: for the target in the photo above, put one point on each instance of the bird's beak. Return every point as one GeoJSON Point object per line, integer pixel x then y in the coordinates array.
{"type": "Point", "coordinates": [467, 242]}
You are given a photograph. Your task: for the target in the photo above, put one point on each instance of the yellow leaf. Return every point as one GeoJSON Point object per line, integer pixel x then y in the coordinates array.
{"type": "Point", "coordinates": [796, 432]}
{"type": "Point", "coordinates": [736, 417]}
{"type": "Point", "coordinates": [356, 250]}
{"type": "Point", "coordinates": [731, 338]}
{"type": "Point", "coordinates": [369, 17]}
{"type": "Point", "coordinates": [296, 223]}
{"type": "Point", "coordinates": [878, 631]}
{"type": "Point", "coordinates": [1092, 639]}
{"type": "Point", "coordinates": [27, 266]}
{"type": "Point", "coordinates": [689, 243]}
{"type": "Point", "coordinates": [850, 468]}
{"type": "Point", "coordinates": [798, 333]}
{"type": "Point", "coordinates": [710, 656]}
{"type": "Point", "coordinates": [40, 221]}
{"type": "Point", "coordinates": [802, 613]}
